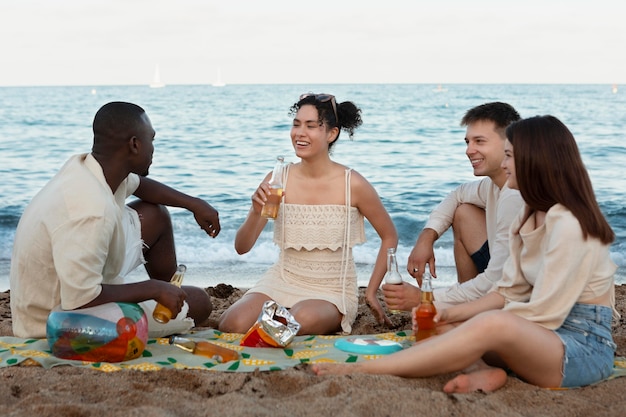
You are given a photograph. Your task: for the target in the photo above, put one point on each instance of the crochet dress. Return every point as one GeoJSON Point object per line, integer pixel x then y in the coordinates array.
{"type": "Point", "coordinates": [316, 260]}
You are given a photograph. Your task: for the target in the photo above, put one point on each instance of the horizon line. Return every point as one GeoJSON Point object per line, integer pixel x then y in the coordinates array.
{"type": "Point", "coordinates": [312, 83]}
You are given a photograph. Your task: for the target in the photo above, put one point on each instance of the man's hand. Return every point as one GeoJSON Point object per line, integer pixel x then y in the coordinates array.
{"type": "Point", "coordinates": [155, 192]}
{"type": "Point", "coordinates": [207, 217]}
{"type": "Point", "coordinates": [162, 292]}
{"type": "Point", "coordinates": [423, 253]}
{"type": "Point", "coordinates": [171, 296]}
{"type": "Point", "coordinates": [401, 296]}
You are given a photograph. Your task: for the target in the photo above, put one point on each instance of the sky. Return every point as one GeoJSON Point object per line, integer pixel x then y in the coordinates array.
{"type": "Point", "coordinates": [122, 42]}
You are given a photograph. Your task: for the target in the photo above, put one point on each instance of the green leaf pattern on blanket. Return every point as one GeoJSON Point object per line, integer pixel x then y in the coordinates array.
{"type": "Point", "coordinates": [159, 354]}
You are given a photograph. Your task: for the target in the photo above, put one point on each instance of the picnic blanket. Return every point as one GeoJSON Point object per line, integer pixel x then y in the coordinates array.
{"type": "Point", "coordinates": [159, 354]}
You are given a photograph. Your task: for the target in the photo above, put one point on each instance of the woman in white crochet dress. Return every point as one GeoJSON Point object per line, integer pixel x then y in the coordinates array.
{"type": "Point", "coordinates": [315, 275]}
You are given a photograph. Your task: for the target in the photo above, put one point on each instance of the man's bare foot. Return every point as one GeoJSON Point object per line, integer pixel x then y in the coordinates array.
{"type": "Point", "coordinates": [486, 380]}
{"type": "Point", "coordinates": [334, 368]}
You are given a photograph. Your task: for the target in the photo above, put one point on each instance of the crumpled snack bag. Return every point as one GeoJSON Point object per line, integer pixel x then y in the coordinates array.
{"type": "Point", "coordinates": [275, 327]}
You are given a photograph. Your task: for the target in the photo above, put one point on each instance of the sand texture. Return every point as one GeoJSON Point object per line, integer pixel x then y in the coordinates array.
{"type": "Point", "coordinates": [69, 391]}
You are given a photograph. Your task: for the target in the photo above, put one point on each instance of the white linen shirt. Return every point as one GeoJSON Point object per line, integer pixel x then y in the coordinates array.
{"type": "Point", "coordinates": [501, 207]}
{"type": "Point", "coordinates": [69, 242]}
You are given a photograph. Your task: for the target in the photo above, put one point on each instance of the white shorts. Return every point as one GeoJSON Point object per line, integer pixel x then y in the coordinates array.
{"type": "Point", "coordinates": [134, 258]}
{"type": "Point", "coordinates": [134, 243]}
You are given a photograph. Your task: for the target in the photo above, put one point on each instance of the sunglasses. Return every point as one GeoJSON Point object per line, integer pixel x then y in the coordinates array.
{"type": "Point", "coordinates": [323, 98]}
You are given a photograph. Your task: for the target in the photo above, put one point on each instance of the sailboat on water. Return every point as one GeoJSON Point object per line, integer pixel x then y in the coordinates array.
{"type": "Point", "coordinates": [218, 82]}
{"type": "Point", "coordinates": [156, 80]}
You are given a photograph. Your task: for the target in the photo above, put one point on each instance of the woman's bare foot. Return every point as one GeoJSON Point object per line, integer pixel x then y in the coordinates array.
{"type": "Point", "coordinates": [334, 368]}
{"type": "Point", "coordinates": [485, 379]}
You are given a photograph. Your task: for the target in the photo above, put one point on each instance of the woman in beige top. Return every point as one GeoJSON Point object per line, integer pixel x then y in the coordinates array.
{"type": "Point", "coordinates": [548, 319]}
{"type": "Point", "coordinates": [318, 223]}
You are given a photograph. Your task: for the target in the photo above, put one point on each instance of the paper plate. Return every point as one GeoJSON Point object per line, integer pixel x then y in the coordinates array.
{"type": "Point", "coordinates": [367, 345]}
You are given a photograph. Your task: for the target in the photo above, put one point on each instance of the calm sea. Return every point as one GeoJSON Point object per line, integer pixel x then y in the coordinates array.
{"type": "Point", "coordinates": [218, 143]}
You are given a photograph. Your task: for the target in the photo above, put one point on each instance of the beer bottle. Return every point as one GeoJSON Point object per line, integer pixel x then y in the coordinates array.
{"type": "Point", "coordinates": [270, 209]}
{"type": "Point", "coordinates": [393, 275]}
{"type": "Point", "coordinates": [426, 310]}
{"type": "Point", "coordinates": [161, 313]}
{"type": "Point", "coordinates": [204, 348]}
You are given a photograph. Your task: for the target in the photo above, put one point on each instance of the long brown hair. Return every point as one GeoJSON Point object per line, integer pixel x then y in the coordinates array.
{"type": "Point", "coordinates": [549, 170]}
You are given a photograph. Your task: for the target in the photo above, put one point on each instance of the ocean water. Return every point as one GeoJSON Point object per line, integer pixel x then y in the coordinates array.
{"type": "Point", "coordinates": [218, 143]}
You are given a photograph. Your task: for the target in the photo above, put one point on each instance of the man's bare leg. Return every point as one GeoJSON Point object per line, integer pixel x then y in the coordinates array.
{"type": "Point", "coordinates": [470, 233]}
{"type": "Point", "coordinates": [160, 255]}
{"type": "Point", "coordinates": [158, 236]}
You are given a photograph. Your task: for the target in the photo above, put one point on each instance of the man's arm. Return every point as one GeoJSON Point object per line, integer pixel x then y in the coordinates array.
{"type": "Point", "coordinates": [157, 193]}
{"type": "Point", "coordinates": [440, 219]}
{"type": "Point", "coordinates": [81, 248]}
{"type": "Point", "coordinates": [507, 209]}
{"type": "Point", "coordinates": [423, 253]}
{"type": "Point", "coordinates": [163, 292]}
{"type": "Point", "coordinates": [407, 296]}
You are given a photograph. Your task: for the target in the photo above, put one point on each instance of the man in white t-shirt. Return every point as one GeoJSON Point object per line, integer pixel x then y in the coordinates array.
{"type": "Point", "coordinates": [77, 239]}
{"type": "Point", "coordinates": [479, 212]}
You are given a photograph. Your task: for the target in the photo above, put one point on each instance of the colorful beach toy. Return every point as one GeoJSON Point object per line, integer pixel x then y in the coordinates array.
{"type": "Point", "coordinates": [112, 332]}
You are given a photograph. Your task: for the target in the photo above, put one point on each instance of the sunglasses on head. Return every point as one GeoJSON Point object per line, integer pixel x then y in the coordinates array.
{"type": "Point", "coordinates": [323, 98]}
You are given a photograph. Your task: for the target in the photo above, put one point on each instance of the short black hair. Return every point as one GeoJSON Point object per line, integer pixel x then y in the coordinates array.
{"type": "Point", "coordinates": [502, 114]}
{"type": "Point", "coordinates": [117, 120]}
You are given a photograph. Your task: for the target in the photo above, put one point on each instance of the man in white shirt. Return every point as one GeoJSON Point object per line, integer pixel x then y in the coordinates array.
{"type": "Point", "coordinates": [77, 238]}
{"type": "Point", "coordinates": [479, 212]}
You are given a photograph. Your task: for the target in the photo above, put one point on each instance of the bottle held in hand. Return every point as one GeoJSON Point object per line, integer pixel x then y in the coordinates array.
{"type": "Point", "coordinates": [426, 310]}
{"type": "Point", "coordinates": [393, 275]}
{"type": "Point", "coordinates": [270, 209]}
{"type": "Point", "coordinates": [161, 313]}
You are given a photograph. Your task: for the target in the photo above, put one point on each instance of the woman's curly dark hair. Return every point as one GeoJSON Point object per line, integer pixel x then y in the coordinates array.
{"type": "Point", "coordinates": [348, 113]}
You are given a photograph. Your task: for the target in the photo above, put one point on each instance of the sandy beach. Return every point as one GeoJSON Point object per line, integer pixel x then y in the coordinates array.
{"type": "Point", "coordinates": [69, 391]}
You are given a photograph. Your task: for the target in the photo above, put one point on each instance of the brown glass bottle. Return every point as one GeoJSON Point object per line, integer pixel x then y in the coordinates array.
{"type": "Point", "coordinates": [204, 348]}
{"type": "Point", "coordinates": [161, 313]}
{"type": "Point", "coordinates": [426, 310]}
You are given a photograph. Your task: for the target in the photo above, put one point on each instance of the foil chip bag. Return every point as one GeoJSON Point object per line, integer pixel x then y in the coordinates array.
{"type": "Point", "coordinates": [275, 327]}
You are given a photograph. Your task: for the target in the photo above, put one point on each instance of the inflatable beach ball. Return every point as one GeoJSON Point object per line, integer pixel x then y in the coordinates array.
{"type": "Point", "coordinates": [111, 332]}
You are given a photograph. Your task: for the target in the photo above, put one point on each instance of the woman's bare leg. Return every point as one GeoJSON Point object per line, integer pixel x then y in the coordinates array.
{"type": "Point", "coordinates": [240, 317]}
{"type": "Point", "coordinates": [478, 377]}
{"type": "Point", "coordinates": [531, 351]}
{"type": "Point", "coordinates": [317, 317]}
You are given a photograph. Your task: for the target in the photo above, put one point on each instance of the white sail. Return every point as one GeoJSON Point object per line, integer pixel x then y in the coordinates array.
{"type": "Point", "coordinates": [156, 80]}
{"type": "Point", "coordinates": [218, 82]}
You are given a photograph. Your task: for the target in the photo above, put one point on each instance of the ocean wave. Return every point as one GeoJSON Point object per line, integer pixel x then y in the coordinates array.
{"type": "Point", "coordinates": [219, 145]}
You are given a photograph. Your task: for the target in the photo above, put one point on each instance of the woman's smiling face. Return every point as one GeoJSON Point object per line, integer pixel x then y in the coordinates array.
{"type": "Point", "coordinates": [508, 164]}
{"type": "Point", "coordinates": [308, 136]}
